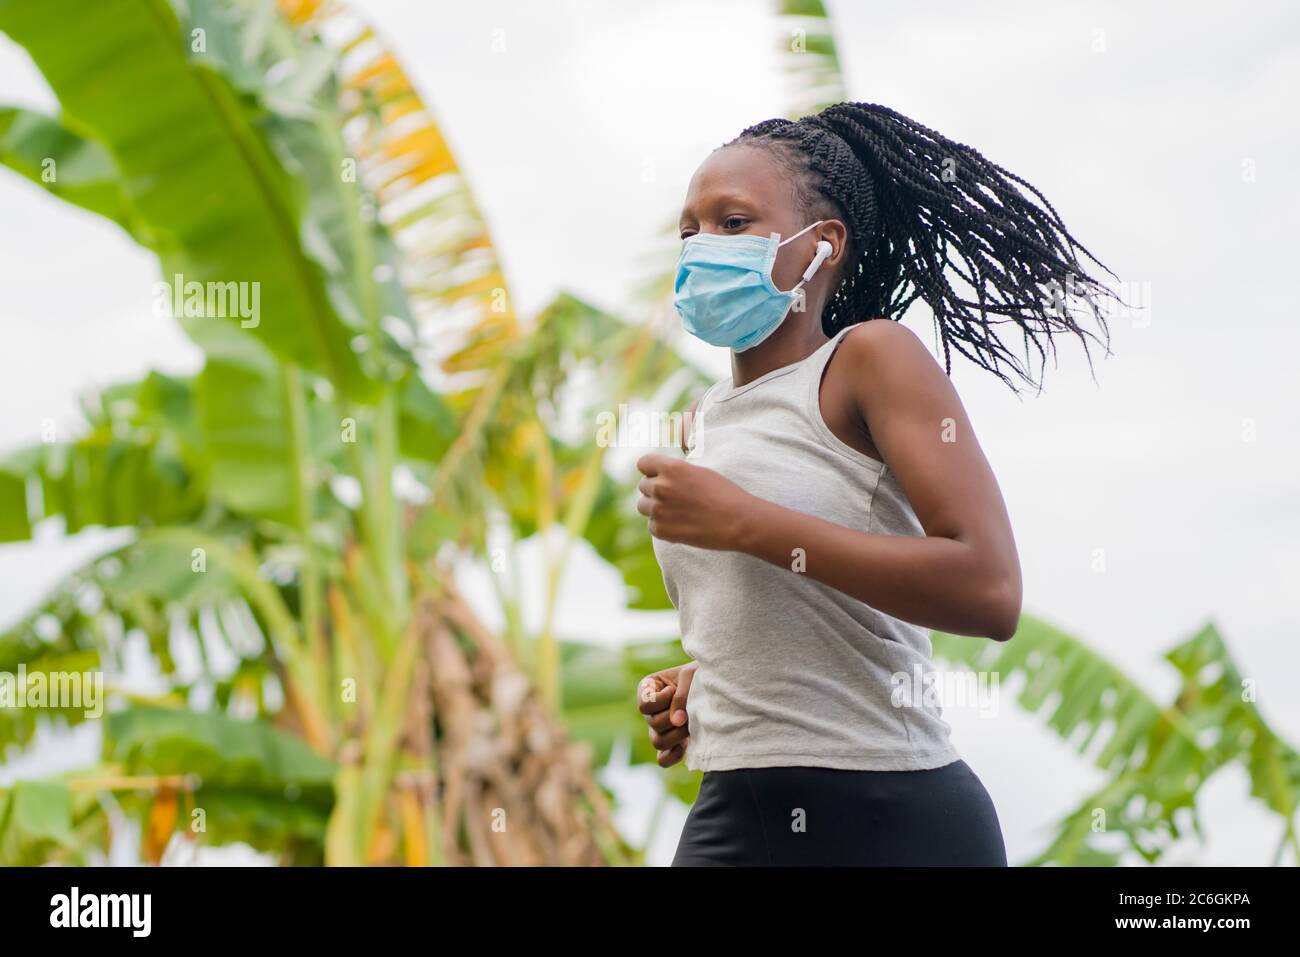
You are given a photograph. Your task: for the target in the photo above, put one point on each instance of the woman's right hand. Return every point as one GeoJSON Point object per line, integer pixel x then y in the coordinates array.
{"type": "Point", "coordinates": [661, 697]}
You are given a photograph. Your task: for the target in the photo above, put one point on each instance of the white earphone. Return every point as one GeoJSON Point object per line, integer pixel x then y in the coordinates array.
{"type": "Point", "coordinates": [824, 249]}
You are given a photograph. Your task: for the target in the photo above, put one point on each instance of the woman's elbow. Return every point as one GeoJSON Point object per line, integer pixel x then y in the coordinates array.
{"type": "Point", "coordinates": [1003, 608]}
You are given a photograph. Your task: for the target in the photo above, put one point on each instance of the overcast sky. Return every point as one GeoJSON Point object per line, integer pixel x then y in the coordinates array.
{"type": "Point", "coordinates": [1166, 138]}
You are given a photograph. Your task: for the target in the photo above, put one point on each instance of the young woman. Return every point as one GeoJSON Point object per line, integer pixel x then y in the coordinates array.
{"type": "Point", "coordinates": [834, 504]}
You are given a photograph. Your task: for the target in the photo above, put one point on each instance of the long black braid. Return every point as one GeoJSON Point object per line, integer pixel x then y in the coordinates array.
{"type": "Point", "coordinates": [911, 199]}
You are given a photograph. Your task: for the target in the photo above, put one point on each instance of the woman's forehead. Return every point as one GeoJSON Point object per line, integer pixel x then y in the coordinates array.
{"type": "Point", "coordinates": [736, 174]}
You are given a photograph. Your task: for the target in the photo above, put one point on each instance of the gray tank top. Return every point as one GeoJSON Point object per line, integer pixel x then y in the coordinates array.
{"type": "Point", "coordinates": [793, 672]}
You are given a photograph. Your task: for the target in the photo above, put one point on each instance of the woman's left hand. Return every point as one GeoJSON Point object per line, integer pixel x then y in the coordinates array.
{"type": "Point", "coordinates": [690, 504]}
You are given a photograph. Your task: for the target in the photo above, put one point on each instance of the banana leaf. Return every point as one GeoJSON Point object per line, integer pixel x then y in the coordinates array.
{"type": "Point", "coordinates": [195, 167]}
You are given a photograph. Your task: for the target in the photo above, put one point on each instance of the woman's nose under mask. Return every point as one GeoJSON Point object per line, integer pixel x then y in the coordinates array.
{"type": "Point", "coordinates": [724, 290]}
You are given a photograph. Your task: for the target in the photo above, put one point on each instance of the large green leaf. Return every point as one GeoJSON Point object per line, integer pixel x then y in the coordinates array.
{"type": "Point", "coordinates": [35, 817]}
{"type": "Point", "coordinates": [186, 604]}
{"type": "Point", "coordinates": [253, 783]}
{"type": "Point", "coordinates": [46, 673]}
{"type": "Point", "coordinates": [102, 479]}
{"type": "Point", "coordinates": [451, 269]}
{"type": "Point", "coordinates": [1219, 702]}
{"type": "Point", "coordinates": [1156, 757]}
{"type": "Point", "coordinates": [194, 164]}
{"type": "Point", "coordinates": [220, 750]}
{"type": "Point", "coordinates": [427, 424]}
{"type": "Point", "coordinates": [618, 533]}
{"type": "Point", "coordinates": [245, 419]}
{"type": "Point", "coordinates": [138, 464]}
{"type": "Point", "coordinates": [1106, 716]}
{"type": "Point", "coordinates": [248, 782]}
{"type": "Point", "coordinates": [70, 166]}
{"type": "Point", "coordinates": [15, 524]}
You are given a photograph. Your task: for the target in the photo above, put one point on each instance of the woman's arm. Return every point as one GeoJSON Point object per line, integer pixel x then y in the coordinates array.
{"type": "Point", "coordinates": [963, 576]}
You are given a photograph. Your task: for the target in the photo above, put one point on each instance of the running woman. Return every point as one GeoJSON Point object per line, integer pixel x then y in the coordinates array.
{"type": "Point", "coordinates": [834, 504]}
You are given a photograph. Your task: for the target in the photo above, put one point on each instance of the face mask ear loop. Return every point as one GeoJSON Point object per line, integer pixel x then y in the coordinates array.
{"type": "Point", "coordinates": [799, 285]}
{"type": "Point", "coordinates": [800, 233]}
{"type": "Point", "coordinates": [808, 276]}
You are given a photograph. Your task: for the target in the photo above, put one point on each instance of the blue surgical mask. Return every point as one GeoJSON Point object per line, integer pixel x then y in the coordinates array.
{"type": "Point", "coordinates": [724, 290]}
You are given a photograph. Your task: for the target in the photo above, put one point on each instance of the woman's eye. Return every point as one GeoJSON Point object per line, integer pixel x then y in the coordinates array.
{"type": "Point", "coordinates": [730, 223]}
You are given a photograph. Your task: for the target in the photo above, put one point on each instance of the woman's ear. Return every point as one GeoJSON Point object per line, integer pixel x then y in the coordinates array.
{"type": "Point", "coordinates": [836, 233]}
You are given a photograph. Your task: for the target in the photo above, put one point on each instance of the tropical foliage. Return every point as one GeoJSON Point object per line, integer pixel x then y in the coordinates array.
{"type": "Point", "coordinates": [325, 691]}
{"type": "Point", "coordinates": [1156, 757]}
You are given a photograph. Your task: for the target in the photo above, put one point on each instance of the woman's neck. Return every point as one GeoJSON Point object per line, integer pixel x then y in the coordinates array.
{"type": "Point", "coordinates": [792, 342]}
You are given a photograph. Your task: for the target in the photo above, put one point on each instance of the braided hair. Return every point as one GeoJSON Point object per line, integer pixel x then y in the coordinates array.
{"type": "Point", "coordinates": [911, 199]}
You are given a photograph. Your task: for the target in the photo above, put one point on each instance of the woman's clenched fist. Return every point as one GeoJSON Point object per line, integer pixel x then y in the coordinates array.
{"type": "Point", "coordinates": [690, 504]}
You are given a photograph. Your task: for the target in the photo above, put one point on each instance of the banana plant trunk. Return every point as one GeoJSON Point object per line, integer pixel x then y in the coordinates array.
{"type": "Point", "coordinates": [479, 772]}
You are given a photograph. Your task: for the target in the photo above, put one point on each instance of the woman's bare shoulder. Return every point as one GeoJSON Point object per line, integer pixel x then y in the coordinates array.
{"type": "Point", "coordinates": [876, 339]}
{"type": "Point", "coordinates": [886, 363]}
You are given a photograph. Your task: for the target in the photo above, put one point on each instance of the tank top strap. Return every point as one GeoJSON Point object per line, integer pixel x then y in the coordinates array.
{"type": "Point", "coordinates": [817, 362]}
{"type": "Point", "coordinates": [814, 367]}
{"type": "Point", "coordinates": [812, 405]}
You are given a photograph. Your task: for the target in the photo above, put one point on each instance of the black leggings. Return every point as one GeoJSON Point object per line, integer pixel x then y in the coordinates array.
{"type": "Point", "coordinates": [827, 817]}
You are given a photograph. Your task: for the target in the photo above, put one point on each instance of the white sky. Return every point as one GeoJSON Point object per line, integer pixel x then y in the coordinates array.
{"type": "Point", "coordinates": [580, 137]}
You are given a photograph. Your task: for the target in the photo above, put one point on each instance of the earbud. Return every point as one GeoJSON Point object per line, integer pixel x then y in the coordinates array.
{"type": "Point", "coordinates": [824, 250]}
